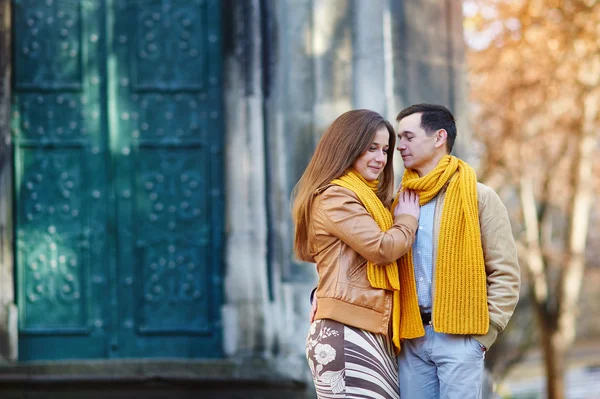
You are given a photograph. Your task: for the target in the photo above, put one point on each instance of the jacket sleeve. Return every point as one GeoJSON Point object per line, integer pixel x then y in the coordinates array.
{"type": "Point", "coordinates": [345, 217]}
{"type": "Point", "coordinates": [501, 262]}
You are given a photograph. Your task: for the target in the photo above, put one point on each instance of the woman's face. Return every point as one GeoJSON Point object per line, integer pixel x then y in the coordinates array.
{"type": "Point", "coordinates": [371, 162]}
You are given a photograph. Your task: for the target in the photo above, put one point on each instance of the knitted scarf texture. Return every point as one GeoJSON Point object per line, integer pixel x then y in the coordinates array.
{"type": "Point", "coordinates": [385, 277]}
{"type": "Point", "coordinates": [460, 300]}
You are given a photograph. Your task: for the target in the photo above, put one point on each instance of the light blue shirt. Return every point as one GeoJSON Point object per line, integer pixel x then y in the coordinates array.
{"type": "Point", "coordinates": [423, 255]}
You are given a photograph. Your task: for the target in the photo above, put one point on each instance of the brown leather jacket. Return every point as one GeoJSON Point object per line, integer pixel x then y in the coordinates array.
{"type": "Point", "coordinates": [343, 236]}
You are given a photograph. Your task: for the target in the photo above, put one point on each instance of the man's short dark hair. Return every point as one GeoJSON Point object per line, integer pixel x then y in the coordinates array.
{"type": "Point", "coordinates": [433, 118]}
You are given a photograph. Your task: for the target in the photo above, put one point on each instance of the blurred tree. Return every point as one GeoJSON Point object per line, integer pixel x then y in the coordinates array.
{"type": "Point", "coordinates": [534, 69]}
{"type": "Point", "coordinates": [513, 343]}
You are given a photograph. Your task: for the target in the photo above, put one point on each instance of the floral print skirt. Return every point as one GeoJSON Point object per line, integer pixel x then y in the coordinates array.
{"type": "Point", "coordinates": [348, 362]}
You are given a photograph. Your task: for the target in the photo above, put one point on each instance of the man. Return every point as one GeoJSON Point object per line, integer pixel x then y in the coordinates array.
{"type": "Point", "coordinates": [461, 279]}
{"type": "Point", "coordinates": [460, 283]}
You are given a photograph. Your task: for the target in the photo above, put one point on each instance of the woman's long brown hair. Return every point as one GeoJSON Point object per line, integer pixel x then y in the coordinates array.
{"type": "Point", "coordinates": [348, 137]}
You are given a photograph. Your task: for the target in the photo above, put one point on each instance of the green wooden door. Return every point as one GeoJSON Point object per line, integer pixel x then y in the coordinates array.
{"type": "Point", "coordinates": [118, 152]}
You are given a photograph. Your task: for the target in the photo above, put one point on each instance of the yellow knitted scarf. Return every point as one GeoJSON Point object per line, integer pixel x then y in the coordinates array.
{"type": "Point", "coordinates": [385, 277]}
{"type": "Point", "coordinates": [460, 300]}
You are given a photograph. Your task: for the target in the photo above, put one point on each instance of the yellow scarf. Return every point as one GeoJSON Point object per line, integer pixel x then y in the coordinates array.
{"type": "Point", "coordinates": [460, 300]}
{"type": "Point", "coordinates": [386, 277]}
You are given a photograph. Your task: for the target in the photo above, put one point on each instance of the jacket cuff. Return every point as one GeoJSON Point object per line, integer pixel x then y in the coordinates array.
{"type": "Point", "coordinates": [488, 339]}
{"type": "Point", "coordinates": [407, 220]}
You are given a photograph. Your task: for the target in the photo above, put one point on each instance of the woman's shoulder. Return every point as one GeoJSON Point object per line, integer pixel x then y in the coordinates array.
{"type": "Point", "coordinates": [336, 203]}
{"type": "Point", "coordinates": [333, 192]}
{"type": "Point", "coordinates": [333, 199]}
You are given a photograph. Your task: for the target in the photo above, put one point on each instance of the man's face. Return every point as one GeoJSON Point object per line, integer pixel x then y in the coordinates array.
{"type": "Point", "coordinates": [415, 146]}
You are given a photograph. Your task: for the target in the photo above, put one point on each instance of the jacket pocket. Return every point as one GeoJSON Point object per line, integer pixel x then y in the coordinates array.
{"type": "Point", "coordinates": [357, 271]}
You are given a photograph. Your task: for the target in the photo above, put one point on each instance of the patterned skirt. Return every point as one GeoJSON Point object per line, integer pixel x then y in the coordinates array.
{"type": "Point", "coordinates": [348, 362]}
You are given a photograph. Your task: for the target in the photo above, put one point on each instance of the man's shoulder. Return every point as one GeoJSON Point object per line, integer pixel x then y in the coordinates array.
{"type": "Point", "coordinates": [488, 196]}
{"type": "Point", "coordinates": [483, 190]}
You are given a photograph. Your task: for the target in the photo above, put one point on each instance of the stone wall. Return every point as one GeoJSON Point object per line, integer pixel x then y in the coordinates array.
{"type": "Point", "coordinates": [292, 67]}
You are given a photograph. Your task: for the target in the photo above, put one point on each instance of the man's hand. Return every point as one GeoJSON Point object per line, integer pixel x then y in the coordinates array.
{"type": "Point", "coordinates": [313, 309]}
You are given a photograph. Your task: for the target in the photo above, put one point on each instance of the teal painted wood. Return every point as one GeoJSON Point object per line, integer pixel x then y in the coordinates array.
{"type": "Point", "coordinates": [146, 178]}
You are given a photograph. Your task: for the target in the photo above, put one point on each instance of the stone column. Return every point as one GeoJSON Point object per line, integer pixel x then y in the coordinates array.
{"type": "Point", "coordinates": [246, 282]}
{"type": "Point", "coordinates": [373, 76]}
{"type": "Point", "coordinates": [290, 109]}
{"type": "Point", "coordinates": [429, 60]}
{"type": "Point", "coordinates": [460, 88]}
{"type": "Point", "coordinates": [8, 311]}
{"type": "Point", "coordinates": [369, 51]}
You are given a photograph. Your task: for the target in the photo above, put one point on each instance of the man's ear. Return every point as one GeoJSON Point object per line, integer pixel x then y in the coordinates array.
{"type": "Point", "coordinates": [440, 137]}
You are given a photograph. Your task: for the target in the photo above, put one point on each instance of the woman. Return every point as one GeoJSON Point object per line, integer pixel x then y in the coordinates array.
{"type": "Point", "coordinates": [343, 224]}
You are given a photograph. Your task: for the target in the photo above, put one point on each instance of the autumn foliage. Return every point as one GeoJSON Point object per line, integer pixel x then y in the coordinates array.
{"type": "Point", "coordinates": [534, 71]}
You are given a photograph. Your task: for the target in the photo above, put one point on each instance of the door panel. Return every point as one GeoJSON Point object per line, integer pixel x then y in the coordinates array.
{"type": "Point", "coordinates": [60, 180]}
{"type": "Point", "coordinates": [166, 93]}
{"type": "Point", "coordinates": [172, 239]}
{"type": "Point", "coordinates": [54, 276]}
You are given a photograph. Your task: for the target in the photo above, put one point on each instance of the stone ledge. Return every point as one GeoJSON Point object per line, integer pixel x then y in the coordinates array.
{"type": "Point", "coordinates": [152, 379]}
{"type": "Point", "coordinates": [258, 372]}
